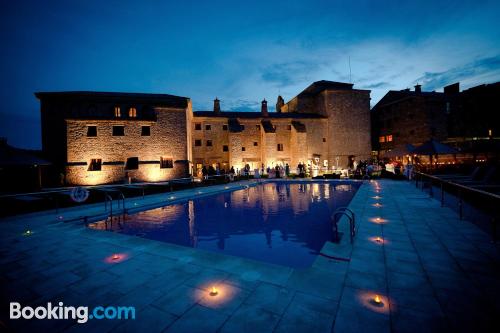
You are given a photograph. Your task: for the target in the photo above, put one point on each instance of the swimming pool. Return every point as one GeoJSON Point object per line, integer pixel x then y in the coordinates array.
{"type": "Point", "coordinates": [285, 223]}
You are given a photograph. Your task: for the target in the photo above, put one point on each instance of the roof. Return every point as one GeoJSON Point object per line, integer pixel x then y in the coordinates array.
{"type": "Point", "coordinates": [397, 95]}
{"type": "Point", "coordinates": [319, 86]}
{"type": "Point", "coordinates": [299, 127]}
{"type": "Point", "coordinates": [16, 157]}
{"type": "Point", "coordinates": [256, 115]}
{"type": "Point", "coordinates": [163, 99]}
{"type": "Point", "coordinates": [268, 126]}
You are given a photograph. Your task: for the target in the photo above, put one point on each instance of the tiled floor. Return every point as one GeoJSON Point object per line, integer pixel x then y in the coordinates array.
{"type": "Point", "coordinates": [433, 273]}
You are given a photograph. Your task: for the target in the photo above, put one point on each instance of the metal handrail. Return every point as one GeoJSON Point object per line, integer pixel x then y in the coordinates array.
{"type": "Point", "coordinates": [344, 211]}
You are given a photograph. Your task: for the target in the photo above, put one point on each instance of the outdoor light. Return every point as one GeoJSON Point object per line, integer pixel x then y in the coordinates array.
{"type": "Point", "coordinates": [171, 197]}
{"type": "Point", "coordinates": [226, 187]}
{"type": "Point", "coordinates": [377, 205]}
{"type": "Point", "coordinates": [214, 291]}
{"type": "Point", "coordinates": [377, 219]}
{"type": "Point", "coordinates": [60, 217]}
{"type": "Point", "coordinates": [28, 233]}
{"type": "Point", "coordinates": [115, 257]}
{"type": "Point", "coordinates": [378, 239]}
{"type": "Point", "coordinates": [377, 301]}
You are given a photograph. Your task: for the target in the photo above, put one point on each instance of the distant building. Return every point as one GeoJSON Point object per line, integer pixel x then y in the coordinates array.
{"type": "Point", "coordinates": [324, 126]}
{"type": "Point", "coordinates": [98, 137]}
{"type": "Point", "coordinates": [461, 119]}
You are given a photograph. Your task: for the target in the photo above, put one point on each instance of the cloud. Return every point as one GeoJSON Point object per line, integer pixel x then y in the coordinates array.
{"type": "Point", "coordinates": [289, 73]}
{"type": "Point", "coordinates": [243, 105]}
{"type": "Point", "coordinates": [468, 71]}
{"type": "Point", "coordinates": [377, 85]}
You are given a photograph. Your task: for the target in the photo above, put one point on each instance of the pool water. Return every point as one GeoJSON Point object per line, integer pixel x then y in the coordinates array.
{"type": "Point", "coordinates": [280, 223]}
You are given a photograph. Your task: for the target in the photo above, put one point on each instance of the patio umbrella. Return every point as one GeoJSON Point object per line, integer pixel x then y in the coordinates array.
{"type": "Point", "coordinates": [433, 147]}
{"type": "Point", "coordinates": [403, 150]}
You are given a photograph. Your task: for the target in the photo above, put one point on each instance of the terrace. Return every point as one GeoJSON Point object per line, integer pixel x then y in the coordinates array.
{"type": "Point", "coordinates": [414, 265]}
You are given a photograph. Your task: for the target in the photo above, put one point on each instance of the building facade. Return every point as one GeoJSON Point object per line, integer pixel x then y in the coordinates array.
{"type": "Point", "coordinates": [464, 119]}
{"type": "Point", "coordinates": [324, 127]}
{"type": "Point", "coordinates": [98, 138]}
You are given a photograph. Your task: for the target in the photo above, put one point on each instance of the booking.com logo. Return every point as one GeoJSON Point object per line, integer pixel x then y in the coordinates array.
{"type": "Point", "coordinates": [80, 313]}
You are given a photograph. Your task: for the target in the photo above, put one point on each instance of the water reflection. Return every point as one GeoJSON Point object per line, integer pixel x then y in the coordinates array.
{"type": "Point", "coordinates": [282, 223]}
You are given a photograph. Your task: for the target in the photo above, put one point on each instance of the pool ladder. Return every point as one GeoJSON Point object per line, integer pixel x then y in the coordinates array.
{"type": "Point", "coordinates": [339, 212]}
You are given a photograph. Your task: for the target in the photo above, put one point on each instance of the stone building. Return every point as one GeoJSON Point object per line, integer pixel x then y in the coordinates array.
{"type": "Point", "coordinates": [465, 120]}
{"type": "Point", "coordinates": [98, 137]}
{"type": "Point", "coordinates": [324, 126]}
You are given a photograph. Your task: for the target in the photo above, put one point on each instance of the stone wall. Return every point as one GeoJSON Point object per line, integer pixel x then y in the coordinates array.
{"type": "Point", "coordinates": [168, 139]}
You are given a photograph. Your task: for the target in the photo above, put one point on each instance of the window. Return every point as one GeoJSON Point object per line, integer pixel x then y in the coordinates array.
{"type": "Point", "coordinates": [132, 112]}
{"type": "Point", "coordinates": [132, 163]}
{"type": "Point", "coordinates": [289, 127]}
{"type": "Point", "coordinates": [197, 143]}
{"type": "Point", "coordinates": [118, 112]}
{"type": "Point", "coordinates": [224, 127]}
{"type": "Point", "coordinates": [197, 127]}
{"type": "Point", "coordinates": [225, 148]}
{"type": "Point", "coordinates": [166, 163]}
{"type": "Point", "coordinates": [280, 147]}
{"type": "Point", "coordinates": [91, 130]}
{"type": "Point", "coordinates": [389, 138]}
{"type": "Point", "coordinates": [95, 164]}
{"type": "Point", "coordinates": [208, 127]}
{"type": "Point", "coordinates": [118, 130]}
{"type": "Point", "coordinates": [243, 149]}
{"type": "Point", "coordinates": [258, 127]}
{"type": "Point", "coordinates": [255, 144]}
{"type": "Point", "coordinates": [381, 139]}
{"type": "Point", "coordinates": [209, 143]}
{"type": "Point", "coordinates": [324, 139]}
{"type": "Point", "coordinates": [145, 131]}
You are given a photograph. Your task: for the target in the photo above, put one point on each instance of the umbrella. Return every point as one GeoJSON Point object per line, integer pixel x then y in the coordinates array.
{"type": "Point", "coordinates": [406, 149]}
{"type": "Point", "coordinates": [433, 147]}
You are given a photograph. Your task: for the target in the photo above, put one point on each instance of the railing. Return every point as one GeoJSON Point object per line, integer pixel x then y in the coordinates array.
{"type": "Point", "coordinates": [344, 211]}
{"type": "Point", "coordinates": [481, 201]}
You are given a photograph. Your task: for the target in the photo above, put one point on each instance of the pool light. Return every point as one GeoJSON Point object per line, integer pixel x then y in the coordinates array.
{"type": "Point", "coordinates": [377, 301]}
{"type": "Point", "coordinates": [28, 233]}
{"type": "Point", "coordinates": [214, 291]}
{"type": "Point", "coordinates": [378, 239]}
{"type": "Point", "coordinates": [115, 257]}
{"type": "Point", "coordinates": [377, 205]}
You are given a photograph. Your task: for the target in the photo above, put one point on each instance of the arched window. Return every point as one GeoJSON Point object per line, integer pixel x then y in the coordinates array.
{"type": "Point", "coordinates": [118, 112]}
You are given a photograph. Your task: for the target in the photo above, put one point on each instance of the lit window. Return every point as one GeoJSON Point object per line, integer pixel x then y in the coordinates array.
{"type": "Point", "coordinates": [225, 148]}
{"type": "Point", "coordinates": [280, 147]}
{"type": "Point", "coordinates": [118, 112]}
{"type": "Point", "coordinates": [381, 139]}
{"type": "Point", "coordinates": [389, 138]}
{"type": "Point", "coordinates": [91, 131]}
{"type": "Point", "coordinates": [166, 163]}
{"type": "Point", "coordinates": [255, 144]}
{"type": "Point", "coordinates": [197, 126]}
{"type": "Point", "coordinates": [95, 164]}
{"type": "Point", "coordinates": [132, 112]}
{"type": "Point", "coordinates": [132, 163]}
{"type": "Point", "coordinates": [118, 130]}
{"type": "Point", "coordinates": [197, 143]}
{"type": "Point", "coordinates": [145, 131]}
{"type": "Point", "coordinates": [490, 132]}
{"type": "Point", "coordinates": [224, 127]}
{"type": "Point", "coordinates": [209, 143]}
{"type": "Point", "coordinates": [208, 127]}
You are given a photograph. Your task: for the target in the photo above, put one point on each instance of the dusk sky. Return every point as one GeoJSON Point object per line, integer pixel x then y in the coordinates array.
{"type": "Point", "coordinates": [239, 51]}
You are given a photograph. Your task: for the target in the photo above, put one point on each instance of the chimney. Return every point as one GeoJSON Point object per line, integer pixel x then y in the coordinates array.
{"type": "Point", "coordinates": [263, 108]}
{"type": "Point", "coordinates": [279, 104]}
{"type": "Point", "coordinates": [452, 88]}
{"type": "Point", "coordinates": [418, 88]}
{"type": "Point", "coordinates": [216, 105]}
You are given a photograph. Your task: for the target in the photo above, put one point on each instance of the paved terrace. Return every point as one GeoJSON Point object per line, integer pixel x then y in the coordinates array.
{"type": "Point", "coordinates": [433, 273]}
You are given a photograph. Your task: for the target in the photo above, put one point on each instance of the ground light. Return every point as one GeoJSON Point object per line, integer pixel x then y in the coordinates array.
{"type": "Point", "coordinates": [214, 291]}
{"type": "Point", "coordinates": [115, 257]}
{"type": "Point", "coordinates": [28, 233]}
{"type": "Point", "coordinates": [378, 239]}
{"type": "Point", "coordinates": [377, 301]}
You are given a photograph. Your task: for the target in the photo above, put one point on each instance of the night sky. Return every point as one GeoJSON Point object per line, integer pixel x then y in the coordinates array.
{"type": "Point", "coordinates": [240, 51]}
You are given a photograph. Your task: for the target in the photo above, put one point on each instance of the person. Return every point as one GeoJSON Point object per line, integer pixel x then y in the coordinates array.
{"type": "Point", "coordinates": [287, 170]}
{"type": "Point", "coordinates": [262, 169]}
{"type": "Point", "coordinates": [204, 172]}
{"type": "Point", "coordinates": [277, 169]}
{"type": "Point", "coordinates": [268, 170]}
{"type": "Point", "coordinates": [232, 170]}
